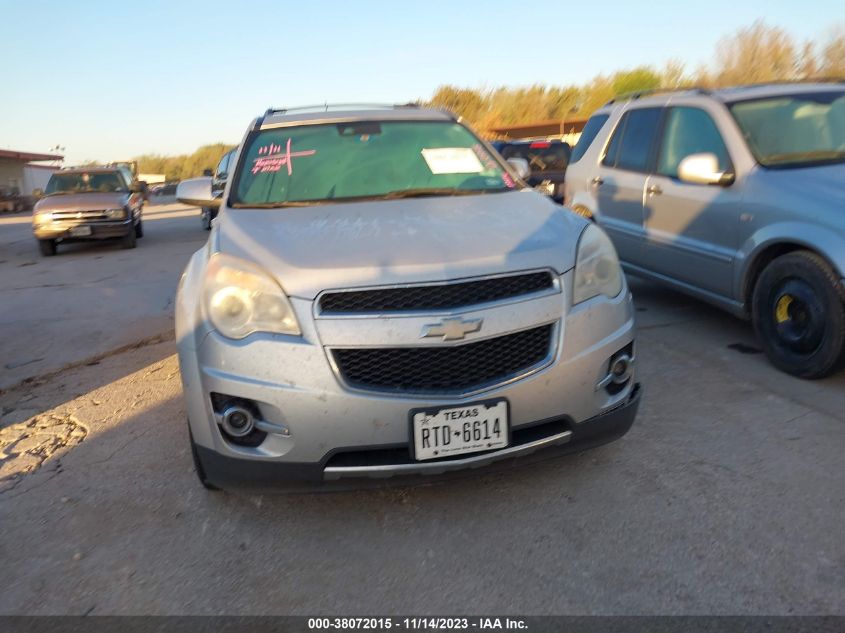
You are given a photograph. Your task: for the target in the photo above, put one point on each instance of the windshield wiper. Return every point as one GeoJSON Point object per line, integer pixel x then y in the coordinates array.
{"type": "Point", "coordinates": [792, 157]}
{"type": "Point", "coordinates": [275, 205]}
{"type": "Point", "coordinates": [424, 192]}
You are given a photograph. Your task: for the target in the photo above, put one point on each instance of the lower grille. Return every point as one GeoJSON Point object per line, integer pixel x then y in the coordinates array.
{"type": "Point", "coordinates": [402, 455]}
{"type": "Point", "coordinates": [445, 369]}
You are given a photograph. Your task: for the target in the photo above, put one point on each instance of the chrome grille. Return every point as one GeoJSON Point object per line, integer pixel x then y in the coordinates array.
{"type": "Point", "coordinates": [83, 216]}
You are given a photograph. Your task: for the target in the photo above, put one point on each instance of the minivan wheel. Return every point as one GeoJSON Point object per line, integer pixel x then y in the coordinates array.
{"type": "Point", "coordinates": [47, 247]}
{"type": "Point", "coordinates": [799, 315]}
{"type": "Point", "coordinates": [200, 471]}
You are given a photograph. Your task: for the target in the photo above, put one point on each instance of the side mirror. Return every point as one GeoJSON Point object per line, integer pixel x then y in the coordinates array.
{"type": "Point", "coordinates": [703, 169]}
{"type": "Point", "coordinates": [197, 193]}
{"type": "Point", "coordinates": [136, 187]}
{"type": "Point", "coordinates": [38, 193]}
{"type": "Point", "coordinates": [520, 166]}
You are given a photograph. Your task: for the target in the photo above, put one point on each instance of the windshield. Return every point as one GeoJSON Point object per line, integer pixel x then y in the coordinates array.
{"type": "Point", "coordinates": [371, 159]}
{"type": "Point", "coordinates": [85, 182]}
{"type": "Point", "coordinates": [794, 130]}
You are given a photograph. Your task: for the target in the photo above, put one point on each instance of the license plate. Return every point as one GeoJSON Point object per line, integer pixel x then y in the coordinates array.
{"type": "Point", "coordinates": [80, 231]}
{"type": "Point", "coordinates": [482, 426]}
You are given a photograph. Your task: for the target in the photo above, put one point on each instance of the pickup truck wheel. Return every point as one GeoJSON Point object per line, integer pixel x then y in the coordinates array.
{"type": "Point", "coordinates": [798, 310]}
{"type": "Point", "coordinates": [47, 247]}
{"type": "Point", "coordinates": [130, 240]}
{"type": "Point", "coordinates": [200, 471]}
{"type": "Point", "coordinates": [139, 228]}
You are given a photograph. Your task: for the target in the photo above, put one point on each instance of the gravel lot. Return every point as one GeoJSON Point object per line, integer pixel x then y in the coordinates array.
{"type": "Point", "coordinates": [727, 497]}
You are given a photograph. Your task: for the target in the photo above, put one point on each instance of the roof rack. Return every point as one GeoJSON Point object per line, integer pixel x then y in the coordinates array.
{"type": "Point", "coordinates": [783, 82]}
{"type": "Point", "coordinates": [328, 107]}
{"type": "Point", "coordinates": [638, 94]}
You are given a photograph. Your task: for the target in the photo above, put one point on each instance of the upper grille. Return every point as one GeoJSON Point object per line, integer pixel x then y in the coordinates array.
{"type": "Point", "coordinates": [88, 216]}
{"type": "Point", "coordinates": [435, 297]}
{"type": "Point", "coordinates": [435, 369]}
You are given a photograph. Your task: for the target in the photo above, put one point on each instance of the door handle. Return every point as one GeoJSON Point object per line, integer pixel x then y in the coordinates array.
{"type": "Point", "coordinates": [655, 190]}
{"type": "Point", "coordinates": [597, 181]}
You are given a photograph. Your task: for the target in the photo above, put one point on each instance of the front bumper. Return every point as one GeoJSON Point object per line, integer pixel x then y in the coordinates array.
{"type": "Point", "coordinates": [293, 384]}
{"type": "Point", "coordinates": [232, 473]}
{"type": "Point", "coordinates": [64, 231]}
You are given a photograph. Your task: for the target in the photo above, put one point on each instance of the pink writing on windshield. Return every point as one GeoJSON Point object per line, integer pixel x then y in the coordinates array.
{"type": "Point", "coordinates": [272, 157]}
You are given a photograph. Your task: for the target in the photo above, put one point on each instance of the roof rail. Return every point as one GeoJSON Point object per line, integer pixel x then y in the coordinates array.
{"type": "Point", "coordinates": [638, 94]}
{"type": "Point", "coordinates": [327, 107]}
{"type": "Point", "coordinates": [782, 82]}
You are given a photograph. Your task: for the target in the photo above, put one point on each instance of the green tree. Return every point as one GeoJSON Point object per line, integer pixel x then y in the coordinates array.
{"type": "Point", "coordinates": [636, 79]}
{"type": "Point", "coordinates": [185, 165]}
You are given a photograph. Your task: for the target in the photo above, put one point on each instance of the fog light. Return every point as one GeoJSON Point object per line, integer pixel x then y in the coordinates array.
{"type": "Point", "coordinates": [237, 421]}
{"type": "Point", "coordinates": [621, 369]}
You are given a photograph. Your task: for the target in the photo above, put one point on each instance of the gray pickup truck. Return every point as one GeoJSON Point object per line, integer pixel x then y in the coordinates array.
{"type": "Point", "coordinates": [89, 203]}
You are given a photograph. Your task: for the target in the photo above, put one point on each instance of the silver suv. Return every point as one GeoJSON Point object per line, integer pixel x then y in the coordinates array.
{"type": "Point", "coordinates": [382, 296]}
{"type": "Point", "coordinates": [735, 196]}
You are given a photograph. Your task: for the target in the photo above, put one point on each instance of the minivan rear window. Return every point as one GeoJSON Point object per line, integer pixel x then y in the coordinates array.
{"type": "Point", "coordinates": [588, 135]}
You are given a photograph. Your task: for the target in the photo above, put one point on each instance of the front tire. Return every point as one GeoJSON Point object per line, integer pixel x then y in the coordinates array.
{"type": "Point", "coordinates": [47, 247]}
{"type": "Point", "coordinates": [130, 240]}
{"type": "Point", "coordinates": [798, 311]}
{"type": "Point", "coordinates": [139, 228]}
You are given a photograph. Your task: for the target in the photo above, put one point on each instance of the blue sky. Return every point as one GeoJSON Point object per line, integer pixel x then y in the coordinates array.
{"type": "Point", "coordinates": [111, 80]}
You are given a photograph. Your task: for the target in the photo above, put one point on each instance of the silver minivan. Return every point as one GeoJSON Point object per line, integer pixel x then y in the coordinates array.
{"type": "Point", "coordinates": [735, 196]}
{"type": "Point", "coordinates": [381, 296]}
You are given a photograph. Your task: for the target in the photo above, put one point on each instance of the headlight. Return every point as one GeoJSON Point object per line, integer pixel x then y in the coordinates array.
{"type": "Point", "coordinates": [597, 270]}
{"type": "Point", "coordinates": [116, 214]}
{"type": "Point", "coordinates": [240, 299]}
{"type": "Point", "coordinates": [42, 218]}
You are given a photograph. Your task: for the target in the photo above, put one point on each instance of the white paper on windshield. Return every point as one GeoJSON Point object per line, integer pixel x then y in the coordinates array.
{"type": "Point", "coordinates": [452, 160]}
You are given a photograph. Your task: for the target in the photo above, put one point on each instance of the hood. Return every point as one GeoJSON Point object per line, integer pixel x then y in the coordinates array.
{"type": "Point", "coordinates": [82, 201]}
{"type": "Point", "coordinates": [346, 245]}
{"type": "Point", "coordinates": [817, 191]}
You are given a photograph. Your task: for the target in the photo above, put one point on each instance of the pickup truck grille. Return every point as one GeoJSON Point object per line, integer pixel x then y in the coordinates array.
{"type": "Point", "coordinates": [83, 216]}
{"type": "Point", "coordinates": [447, 369]}
{"type": "Point", "coordinates": [435, 296]}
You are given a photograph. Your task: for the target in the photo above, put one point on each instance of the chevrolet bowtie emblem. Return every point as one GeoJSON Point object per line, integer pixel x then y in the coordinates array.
{"type": "Point", "coordinates": [452, 329]}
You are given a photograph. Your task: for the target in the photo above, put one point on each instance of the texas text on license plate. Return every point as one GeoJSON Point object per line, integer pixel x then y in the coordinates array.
{"type": "Point", "coordinates": [481, 426]}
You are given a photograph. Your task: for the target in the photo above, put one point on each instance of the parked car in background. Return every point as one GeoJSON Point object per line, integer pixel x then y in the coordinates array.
{"type": "Point", "coordinates": [547, 163]}
{"type": "Point", "coordinates": [219, 177]}
{"type": "Point", "coordinates": [382, 296]}
{"type": "Point", "coordinates": [89, 203]}
{"type": "Point", "coordinates": [11, 200]}
{"type": "Point", "coordinates": [735, 196]}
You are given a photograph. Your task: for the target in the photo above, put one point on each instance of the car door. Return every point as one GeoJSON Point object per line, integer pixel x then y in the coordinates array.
{"type": "Point", "coordinates": [690, 229]}
{"type": "Point", "coordinates": [621, 180]}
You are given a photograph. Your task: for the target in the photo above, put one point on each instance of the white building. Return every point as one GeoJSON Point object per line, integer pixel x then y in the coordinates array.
{"type": "Point", "coordinates": [18, 169]}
